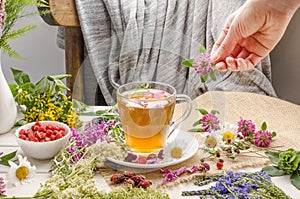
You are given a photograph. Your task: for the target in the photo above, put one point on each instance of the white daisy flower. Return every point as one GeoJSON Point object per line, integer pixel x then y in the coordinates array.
{"type": "Point", "coordinates": [22, 173]}
{"type": "Point", "coordinates": [229, 132]}
{"type": "Point", "coordinates": [211, 141]}
{"type": "Point", "coordinates": [174, 150]}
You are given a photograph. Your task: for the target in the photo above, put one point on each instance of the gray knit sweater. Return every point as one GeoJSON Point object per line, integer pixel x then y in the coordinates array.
{"type": "Point", "coordinates": [135, 40]}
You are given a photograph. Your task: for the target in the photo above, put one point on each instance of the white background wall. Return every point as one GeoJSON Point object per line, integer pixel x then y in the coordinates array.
{"type": "Point", "coordinates": [42, 56]}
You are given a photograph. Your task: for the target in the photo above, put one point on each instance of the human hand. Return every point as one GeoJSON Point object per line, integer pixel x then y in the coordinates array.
{"type": "Point", "coordinates": [251, 33]}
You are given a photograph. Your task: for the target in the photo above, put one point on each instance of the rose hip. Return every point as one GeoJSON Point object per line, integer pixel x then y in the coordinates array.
{"type": "Point", "coordinates": [117, 178]}
{"type": "Point", "coordinates": [144, 184]}
{"type": "Point", "coordinates": [40, 133]}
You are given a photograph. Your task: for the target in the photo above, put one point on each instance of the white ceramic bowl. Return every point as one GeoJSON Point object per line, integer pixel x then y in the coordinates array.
{"type": "Point", "coordinates": [43, 150]}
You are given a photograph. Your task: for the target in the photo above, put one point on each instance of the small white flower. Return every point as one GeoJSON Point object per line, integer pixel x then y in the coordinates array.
{"type": "Point", "coordinates": [174, 150]}
{"type": "Point", "coordinates": [229, 132]}
{"type": "Point", "coordinates": [22, 173]}
{"type": "Point", "coordinates": [211, 141]}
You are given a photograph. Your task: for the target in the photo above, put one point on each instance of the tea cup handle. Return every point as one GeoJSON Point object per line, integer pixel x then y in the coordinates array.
{"type": "Point", "coordinates": [186, 113]}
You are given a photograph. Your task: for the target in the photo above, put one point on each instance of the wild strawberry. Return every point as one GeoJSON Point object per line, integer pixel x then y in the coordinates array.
{"type": "Point", "coordinates": [142, 160]}
{"type": "Point", "coordinates": [219, 165]}
{"type": "Point", "coordinates": [117, 178]}
{"type": "Point", "coordinates": [130, 181]}
{"type": "Point", "coordinates": [144, 184]}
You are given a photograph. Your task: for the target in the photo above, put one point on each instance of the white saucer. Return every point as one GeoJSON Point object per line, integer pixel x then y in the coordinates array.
{"type": "Point", "coordinates": [178, 136]}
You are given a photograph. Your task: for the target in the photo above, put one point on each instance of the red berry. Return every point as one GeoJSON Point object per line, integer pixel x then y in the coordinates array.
{"type": "Point", "coordinates": [144, 184]}
{"type": "Point", "coordinates": [117, 178]}
{"type": "Point", "coordinates": [129, 174]}
{"type": "Point", "coordinates": [137, 179]}
{"type": "Point", "coordinates": [142, 160]}
{"type": "Point", "coordinates": [219, 165]}
{"type": "Point", "coordinates": [130, 181]}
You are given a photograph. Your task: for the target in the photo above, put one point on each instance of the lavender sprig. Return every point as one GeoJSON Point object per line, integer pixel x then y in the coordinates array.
{"type": "Point", "coordinates": [239, 185]}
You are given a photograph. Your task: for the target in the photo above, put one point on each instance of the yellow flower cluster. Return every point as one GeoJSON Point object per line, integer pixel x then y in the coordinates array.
{"type": "Point", "coordinates": [49, 107]}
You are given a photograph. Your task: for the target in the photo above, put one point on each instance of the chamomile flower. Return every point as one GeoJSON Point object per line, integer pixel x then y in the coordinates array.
{"type": "Point", "coordinates": [229, 132]}
{"type": "Point", "coordinates": [211, 141]}
{"type": "Point", "coordinates": [174, 150]}
{"type": "Point", "coordinates": [22, 173]}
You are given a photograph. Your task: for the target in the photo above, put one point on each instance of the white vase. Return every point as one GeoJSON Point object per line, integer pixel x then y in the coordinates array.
{"type": "Point", "coordinates": [8, 108]}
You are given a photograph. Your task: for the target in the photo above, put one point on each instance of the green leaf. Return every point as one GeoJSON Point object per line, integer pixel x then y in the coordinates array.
{"type": "Point", "coordinates": [203, 78]}
{"type": "Point", "coordinates": [203, 111]}
{"type": "Point", "coordinates": [88, 114]}
{"type": "Point", "coordinates": [43, 85]}
{"type": "Point", "coordinates": [273, 156]}
{"type": "Point", "coordinates": [7, 157]}
{"type": "Point", "coordinates": [202, 49]}
{"type": "Point", "coordinates": [29, 87]}
{"type": "Point", "coordinates": [20, 77]}
{"type": "Point", "coordinates": [196, 130]}
{"type": "Point", "coordinates": [21, 122]}
{"type": "Point", "coordinates": [61, 76]}
{"type": "Point", "coordinates": [251, 135]}
{"type": "Point", "coordinates": [264, 126]}
{"type": "Point", "coordinates": [78, 106]}
{"type": "Point", "coordinates": [273, 171]}
{"type": "Point", "coordinates": [295, 179]}
{"type": "Point", "coordinates": [274, 134]}
{"type": "Point", "coordinates": [188, 63]}
{"type": "Point", "coordinates": [215, 112]}
{"type": "Point", "coordinates": [60, 84]}
{"type": "Point", "coordinates": [197, 122]}
{"type": "Point", "coordinates": [13, 89]}
{"type": "Point", "coordinates": [212, 75]}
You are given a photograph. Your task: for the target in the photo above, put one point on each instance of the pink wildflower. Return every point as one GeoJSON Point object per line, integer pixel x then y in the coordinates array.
{"type": "Point", "coordinates": [262, 138]}
{"type": "Point", "coordinates": [2, 186]}
{"type": "Point", "coordinates": [246, 127]}
{"type": "Point", "coordinates": [210, 122]}
{"type": "Point", "coordinates": [2, 16]}
{"type": "Point", "coordinates": [202, 63]}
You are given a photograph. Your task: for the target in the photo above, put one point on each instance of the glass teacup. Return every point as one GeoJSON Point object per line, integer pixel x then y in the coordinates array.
{"type": "Point", "coordinates": [146, 111]}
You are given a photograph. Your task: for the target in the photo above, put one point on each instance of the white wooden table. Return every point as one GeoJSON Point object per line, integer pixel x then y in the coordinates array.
{"type": "Point", "coordinates": [9, 144]}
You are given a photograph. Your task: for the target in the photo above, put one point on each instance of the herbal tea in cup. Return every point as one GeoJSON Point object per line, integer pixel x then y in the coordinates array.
{"type": "Point", "coordinates": [146, 111]}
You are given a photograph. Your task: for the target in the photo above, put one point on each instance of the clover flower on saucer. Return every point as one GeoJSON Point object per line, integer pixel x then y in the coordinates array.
{"type": "Point", "coordinates": [229, 132]}
{"type": "Point", "coordinates": [211, 141]}
{"type": "Point", "coordinates": [21, 173]}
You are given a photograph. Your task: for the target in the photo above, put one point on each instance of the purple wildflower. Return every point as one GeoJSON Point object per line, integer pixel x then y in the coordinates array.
{"type": "Point", "coordinates": [210, 122]}
{"type": "Point", "coordinates": [202, 63]}
{"type": "Point", "coordinates": [77, 143]}
{"type": "Point", "coordinates": [206, 165]}
{"type": "Point", "coordinates": [262, 138]}
{"type": "Point", "coordinates": [97, 131]}
{"type": "Point", "coordinates": [246, 127]}
{"type": "Point", "coordinates": [2, 186]}
{"type": "Point", "coordinates": [180, 171]}
{"type": "Point", "coordinates": [193, 169]}
{"type": "Point", "coordinates": [169, 177]}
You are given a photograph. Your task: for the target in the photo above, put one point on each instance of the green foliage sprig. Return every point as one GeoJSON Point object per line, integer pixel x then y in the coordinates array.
{"type": "Point", "coordinates": [285, 163]}
{"type": "Point", "coordinates": [44, 100]}
{"type": "Point", "coordinates": [14, 10]}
